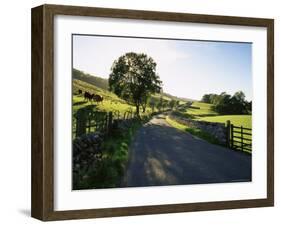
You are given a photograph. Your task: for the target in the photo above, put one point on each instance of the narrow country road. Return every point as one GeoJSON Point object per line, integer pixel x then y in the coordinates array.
{"type": "Point", "coordinates": [163, 155]}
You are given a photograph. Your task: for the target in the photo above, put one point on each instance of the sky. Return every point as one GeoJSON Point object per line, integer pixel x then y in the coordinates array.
{"type": "Point", "coordinates": [187, 68]}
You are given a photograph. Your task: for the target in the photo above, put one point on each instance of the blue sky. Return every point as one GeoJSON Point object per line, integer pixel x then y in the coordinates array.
{"type": "Point", "coordinates": [187, 68]}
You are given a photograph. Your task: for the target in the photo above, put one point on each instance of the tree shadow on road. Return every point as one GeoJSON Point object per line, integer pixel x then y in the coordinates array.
{"type": "Point", "coordinates": [163, 155]}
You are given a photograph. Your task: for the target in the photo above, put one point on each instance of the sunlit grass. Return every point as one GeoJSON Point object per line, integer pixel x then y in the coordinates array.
{"type": "Point", "coordinates": [204, 109]}
{"type": "Point", "coordinates": [194, 131]}
{"type": "Point", "coordinates": [115, 147]}
{"type": "Point", "coordinates": [115, 157]}
{"type": "Point", "coordinates": [111, 102]}
{"type": "Point", "coordinates": [237, 120]}
{"type": "Point", "coordinates": [106, 105]}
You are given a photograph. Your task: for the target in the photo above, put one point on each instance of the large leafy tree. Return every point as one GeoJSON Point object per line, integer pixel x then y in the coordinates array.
{"type": "Point", "coordinates": [133, 77]}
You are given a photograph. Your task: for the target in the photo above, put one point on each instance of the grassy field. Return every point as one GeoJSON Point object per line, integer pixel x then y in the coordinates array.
{"type": "Point", "coordinates": [237, 120]}
{"type": "Point", "coordinates": [204, 112]}
{"type": "Point", "coordinates": [204, 109]}
{"type": "Point", "coordinates": [111, 101]}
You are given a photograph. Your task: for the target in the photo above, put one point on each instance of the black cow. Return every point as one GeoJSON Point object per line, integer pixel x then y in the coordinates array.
{"type": "Point", "coordinates": [98, 98]}
{"type": "Point", "coordinates": [88, 96]}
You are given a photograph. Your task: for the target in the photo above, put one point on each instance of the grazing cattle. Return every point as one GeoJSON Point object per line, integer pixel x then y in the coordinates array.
{"type": "Point", "coordinates": [79, 91]}
{"type": "Point", "coordinates": [92, 97]}
{"type": "Point", "coordinates": [88, 96]}
{"type": "Point", "coordinates": [98, 98]}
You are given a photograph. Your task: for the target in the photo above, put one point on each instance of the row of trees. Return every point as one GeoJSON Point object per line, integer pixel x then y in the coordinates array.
{"type": "Point", "coordinates": [161, 104]}
{"type": "Point", "coordinates": [227, 104]}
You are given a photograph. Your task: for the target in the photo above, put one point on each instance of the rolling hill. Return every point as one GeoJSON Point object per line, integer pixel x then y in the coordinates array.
{"type": "Point", "coordinates": [102, 83]}
{"type": "Point", "coordinates": [93, 80]}
{"type": "Point", "coordinates": [111, 101]}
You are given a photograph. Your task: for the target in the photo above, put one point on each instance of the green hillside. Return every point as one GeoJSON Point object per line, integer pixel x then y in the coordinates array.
{"type": "Point", "coordinates": [181, 99]}
{"type": "Point", "coordinates": [102, 83]}
{"type": "Point", "coordinates": [93, 80]}
{"type": "Point", "coordinates": [201, 109]}
{"type": "Point", "coordinates": [111, 102]}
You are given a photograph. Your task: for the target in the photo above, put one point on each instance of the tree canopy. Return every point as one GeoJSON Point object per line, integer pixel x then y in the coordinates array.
{"type": "Point", "coordinates": [133, 77]}
{"type": "Point", "coordinates": [227, 104]}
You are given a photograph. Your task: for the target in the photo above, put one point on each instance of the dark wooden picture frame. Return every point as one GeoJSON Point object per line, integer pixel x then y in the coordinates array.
{"type": "Point", "coordinates": [43, 107]}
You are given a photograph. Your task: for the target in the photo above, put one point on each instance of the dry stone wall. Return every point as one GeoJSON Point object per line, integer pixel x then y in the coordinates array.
{"type": "Point", "coordinates": [218, 130]}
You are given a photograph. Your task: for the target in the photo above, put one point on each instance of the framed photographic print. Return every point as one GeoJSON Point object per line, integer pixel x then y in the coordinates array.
{"type": "Point", "coordinates": [141, 112]}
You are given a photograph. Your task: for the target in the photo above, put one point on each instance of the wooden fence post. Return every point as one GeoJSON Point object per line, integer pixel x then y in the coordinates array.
{"type": "Point", "coordinates": [81, 122]}
{"type": "Point", "coordinates": [89, 124]}
{"type": "Point", "coordinates": [231, 135]}
{"type": "Point", "coordinates": [109, 124]}
{"type": "Point", "coordinates": [228, 133]}
{"type": "Point", "coordinates": [242, 142]}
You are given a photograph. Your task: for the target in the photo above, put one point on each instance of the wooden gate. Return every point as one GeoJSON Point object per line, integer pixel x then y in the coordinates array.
{"type": "Point", "coordinates": [239, 137]}
{"type": "Point", "coordinates": [89, 120]}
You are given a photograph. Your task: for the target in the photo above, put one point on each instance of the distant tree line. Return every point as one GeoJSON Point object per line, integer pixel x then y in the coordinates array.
{"type": "Point", "coordinates": [161, 104]}
{"type": "Point", "coordinates": [227, 104]}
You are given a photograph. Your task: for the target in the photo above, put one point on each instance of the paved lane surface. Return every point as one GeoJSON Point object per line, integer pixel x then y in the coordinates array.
{"type": "Point", "coordinates": [163, 155]}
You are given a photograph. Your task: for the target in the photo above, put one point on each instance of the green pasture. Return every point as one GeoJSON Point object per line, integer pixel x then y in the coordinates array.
{"type": "Point", "coordinates": [111, 102]}
{"type": "Point", "coordinates": [106, 105]}
{"type": "Point", "coordinates": [204, 109]}
{"type": "Point", "coordinates": [236, 120]}
{"type": "Point", "coordinates": [204, 112]}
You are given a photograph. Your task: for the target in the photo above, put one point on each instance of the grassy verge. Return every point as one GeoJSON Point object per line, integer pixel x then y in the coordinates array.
{"type": "Point", "coordinates": [194, 131]}
{"type": "Point", "coordinates": [109, 171]}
